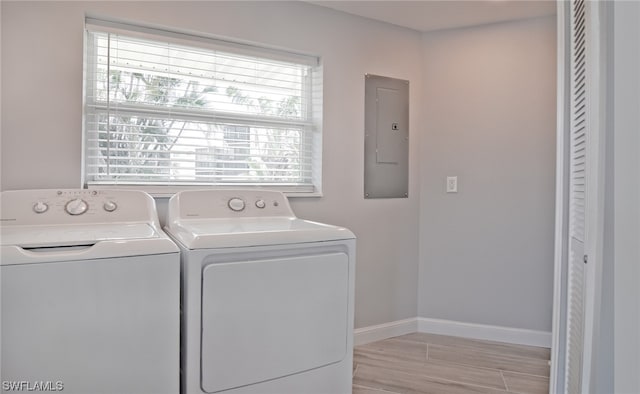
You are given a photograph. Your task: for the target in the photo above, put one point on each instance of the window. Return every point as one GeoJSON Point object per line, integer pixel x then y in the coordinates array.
{"type": "Point", "coordinates": [166, 111]}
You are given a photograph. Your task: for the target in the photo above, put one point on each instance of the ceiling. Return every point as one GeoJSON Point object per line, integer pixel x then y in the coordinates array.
{"type": "Point", "coordinates": [429, 15]}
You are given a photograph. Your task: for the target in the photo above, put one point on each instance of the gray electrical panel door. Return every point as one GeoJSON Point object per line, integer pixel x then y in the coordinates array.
{"type": "Point", "coordinates": [386, 142]}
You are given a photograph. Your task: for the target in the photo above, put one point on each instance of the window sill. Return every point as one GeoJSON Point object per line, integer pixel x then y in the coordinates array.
{"type": "Point", "coordinates": [169, 191]}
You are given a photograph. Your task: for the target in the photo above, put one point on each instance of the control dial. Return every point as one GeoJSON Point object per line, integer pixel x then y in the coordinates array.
{"type": "Point", "coordinates": [261, 204]}
{"type": "Point", "coordinates": [236, 204]}
{"type": "Point", "coordinates": [110, 206]}
{"type": "Point", "coordinates": [40, 207]}
{"type": "Point", "coordinates": [76, 207]}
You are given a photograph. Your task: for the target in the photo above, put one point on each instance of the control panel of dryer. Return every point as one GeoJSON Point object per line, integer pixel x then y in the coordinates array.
{"type": "Point", "coordinates": [69, 206]}
{"type": "Point", "coordinates": [212, 204]}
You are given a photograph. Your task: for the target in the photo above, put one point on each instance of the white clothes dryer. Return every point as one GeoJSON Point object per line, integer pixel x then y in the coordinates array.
{"type": "Point", "coordinates": [90, 290]}
{"type": "Point", "coordinates": [267, 297]}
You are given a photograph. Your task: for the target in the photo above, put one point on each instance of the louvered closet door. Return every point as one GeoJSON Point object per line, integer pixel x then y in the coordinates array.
{"type": "Point", "coordinates": [579, 128]}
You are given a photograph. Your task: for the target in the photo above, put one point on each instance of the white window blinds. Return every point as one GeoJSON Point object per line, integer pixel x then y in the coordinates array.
{"type": "Point", "coordinates": [169, 109]}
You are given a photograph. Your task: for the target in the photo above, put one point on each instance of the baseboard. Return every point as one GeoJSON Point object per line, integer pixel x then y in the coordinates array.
{"type": "Point", "coordinates": [517, 336]}
{"type": "Point", "coordinates": [379, 332]}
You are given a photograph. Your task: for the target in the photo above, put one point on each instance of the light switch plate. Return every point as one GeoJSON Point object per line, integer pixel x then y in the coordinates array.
{"type": "Point", "coordinates": [452, 184]}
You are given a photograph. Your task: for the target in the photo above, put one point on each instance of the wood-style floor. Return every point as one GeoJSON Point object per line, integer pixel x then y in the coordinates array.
{"type": "Point", "coordinates": [427, 363]}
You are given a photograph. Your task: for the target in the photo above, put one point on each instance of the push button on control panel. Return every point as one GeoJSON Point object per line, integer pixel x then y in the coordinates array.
{"type": "Point", "coordinates": [110, 206]}
{"type": "Point", "coordinates": [40, 207]}
{"type": "Point", "coordinates": [236, 204]}
{"type": "Point", "coordinates": [261, 204]}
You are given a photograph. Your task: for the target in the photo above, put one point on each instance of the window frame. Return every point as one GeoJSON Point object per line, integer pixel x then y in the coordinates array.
{"type": "Point", "coordinates": [310, 125]}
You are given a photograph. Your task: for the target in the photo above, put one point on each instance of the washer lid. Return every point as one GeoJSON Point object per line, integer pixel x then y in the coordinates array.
{"type": "Point", "coordinates": [53, 225]}
{"type": "Point", "coordinates": [43, 244]}
{"type": "Point", "coordinates": [29, 237]}
{"type": "Point", "coordinates": [228, 233]}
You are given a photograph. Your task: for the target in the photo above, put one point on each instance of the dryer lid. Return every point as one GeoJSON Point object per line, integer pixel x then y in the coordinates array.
{"type": "Point", "coordinates": [204, 219]}
{"type": "Point", "coordinates": [228, 233]}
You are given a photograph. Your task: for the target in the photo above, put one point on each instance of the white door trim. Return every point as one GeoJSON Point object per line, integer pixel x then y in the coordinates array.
{"type": "Point", "coordinates": [558, 337]}
{"type": "Point", "coordinates": [594, 221]}
{"type": "Point", "coordinates": [594, 215]}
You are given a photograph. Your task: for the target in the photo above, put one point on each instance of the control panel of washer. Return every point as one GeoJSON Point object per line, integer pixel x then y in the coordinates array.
{"type": "Point", "coordinates": [212, 204]}
{"type": "Point", "coordinates": [66, 206]}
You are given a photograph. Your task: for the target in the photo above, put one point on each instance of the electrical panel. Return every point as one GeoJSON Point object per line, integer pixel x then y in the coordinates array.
{"type": "Point", "coordinates": [386, 144]}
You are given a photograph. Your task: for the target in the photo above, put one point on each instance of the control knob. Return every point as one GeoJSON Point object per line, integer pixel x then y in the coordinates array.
{"type": "Point", "coordinates": [236, 204]}
{"type": "Point", "coordinates": [76, 207]}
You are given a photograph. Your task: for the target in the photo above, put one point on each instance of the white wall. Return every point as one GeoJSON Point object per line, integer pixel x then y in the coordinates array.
{"type": "Point", "coordinates": [487, 116]}
{"type": "Point", "coordinates": [42, 114]}
{"type": "Point", "coordinates": [486, 253]}
{"type": "Point", "coordinates": [626, 196]}
{"type": "Point", "coordinates": [603, 349]}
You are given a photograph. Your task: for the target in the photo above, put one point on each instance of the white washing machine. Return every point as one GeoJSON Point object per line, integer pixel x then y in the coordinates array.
{"type": "Point", "coordinates": [90, 290]}
{"type": "Point", "coordinates": [267, 297]}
